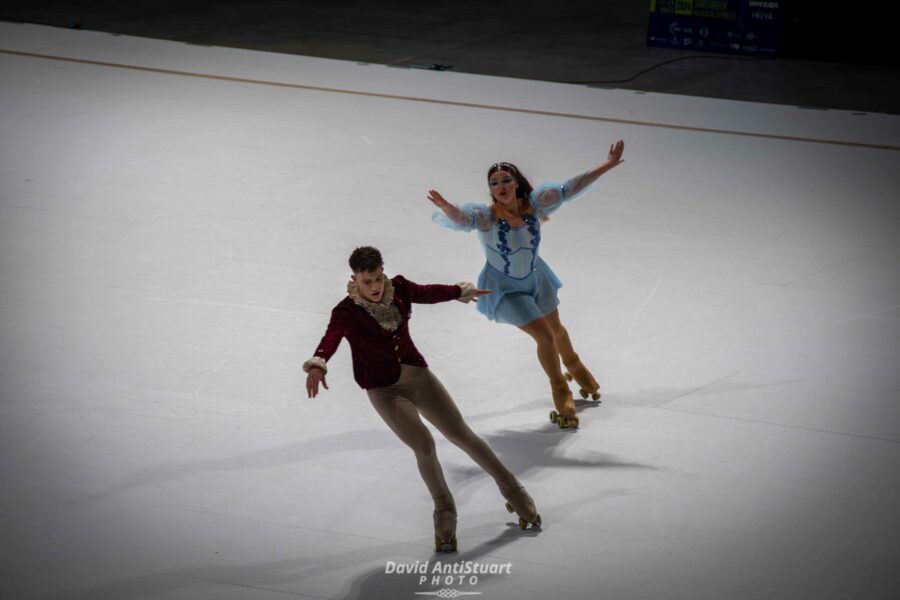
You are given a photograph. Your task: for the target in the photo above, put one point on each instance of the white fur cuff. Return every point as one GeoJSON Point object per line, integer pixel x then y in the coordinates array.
{"type": "Point", "coordinates": [314, 362]}
{"type": "Point", "coordinates": [468, 292]}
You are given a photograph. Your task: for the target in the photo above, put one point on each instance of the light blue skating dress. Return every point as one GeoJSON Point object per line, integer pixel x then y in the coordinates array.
{"type": "Point", "coordinates": [524, 287]}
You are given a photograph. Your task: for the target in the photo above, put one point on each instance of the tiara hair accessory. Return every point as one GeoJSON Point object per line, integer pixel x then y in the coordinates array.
{"type": "Point", "coordinates": [505, 167]}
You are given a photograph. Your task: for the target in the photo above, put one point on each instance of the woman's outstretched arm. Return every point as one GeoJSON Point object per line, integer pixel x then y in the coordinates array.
{"type": "Point", "coordinates": [453, 213]}
{"type": "Point", "coordinates": [576, 184]}
{"type": "Point", "coordinates": [550, 196]}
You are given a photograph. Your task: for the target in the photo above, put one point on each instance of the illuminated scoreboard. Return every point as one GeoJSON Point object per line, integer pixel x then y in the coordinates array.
{"type": "Point", "coordinates": [752, 27]}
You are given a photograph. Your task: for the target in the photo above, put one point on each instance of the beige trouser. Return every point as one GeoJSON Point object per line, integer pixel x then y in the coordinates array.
{"type": "Point", "coordinates": [419, 391]}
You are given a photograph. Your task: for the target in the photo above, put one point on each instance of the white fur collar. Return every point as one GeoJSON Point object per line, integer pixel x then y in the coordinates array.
{"type": "Point", "coordinates": [384, 311]}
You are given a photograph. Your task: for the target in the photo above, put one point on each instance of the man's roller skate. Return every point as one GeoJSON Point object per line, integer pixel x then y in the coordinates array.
{"type": "Point", "coordinates": [564, 415]}
{"type": "Point", "coordinates": [587, 383]}
{"type": "Point", "coordinates": [444, 525]}
{"type": "Point", "coordinates": [518, 501]}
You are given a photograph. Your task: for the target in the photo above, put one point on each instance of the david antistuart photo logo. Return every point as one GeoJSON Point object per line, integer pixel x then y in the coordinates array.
{"type": "Point", "coordinates": [448, 576]}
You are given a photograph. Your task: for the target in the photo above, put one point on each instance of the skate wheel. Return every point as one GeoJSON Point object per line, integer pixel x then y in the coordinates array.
{"type": "Point", "coordinates": [509, 507]}
{"type": "Point", "coordinates": [568, 376]}
{"type": "Point", "coordinates": [442, 546]}
{"type": "Point", "coordinates": [595, 397]}
{"type": "Point", "coordinates": [583, 393]}
{"type": "Point", "coordinates": [523, 524]}
{"type": "Point", "coordinates": [554, 416]}
{"type": "Point", "coordinates": [568, 423]}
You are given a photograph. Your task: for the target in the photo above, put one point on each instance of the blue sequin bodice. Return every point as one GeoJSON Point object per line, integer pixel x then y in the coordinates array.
{"type": "Point", "coordinates": [512, 250]}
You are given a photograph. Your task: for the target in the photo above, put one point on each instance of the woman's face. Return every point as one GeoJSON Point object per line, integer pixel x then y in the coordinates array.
{"type": "Point", "coordinates": [503, 186]}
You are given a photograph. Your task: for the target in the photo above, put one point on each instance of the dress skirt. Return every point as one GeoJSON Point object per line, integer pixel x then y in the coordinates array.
{"type": "Point", "coordinates": [518, 301]}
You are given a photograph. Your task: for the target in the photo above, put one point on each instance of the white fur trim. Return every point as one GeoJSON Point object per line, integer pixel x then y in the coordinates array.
{"type": "Point", "coordinates": [385, 312]}
{"type": "Point", "coordinates": [468, 292]}
{"type": "Point", "coordinates": [316, 362]}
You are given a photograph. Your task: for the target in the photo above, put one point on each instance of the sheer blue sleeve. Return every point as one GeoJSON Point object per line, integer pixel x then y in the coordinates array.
{"type": "Point", "coordinates": [548, 197]}
{"type": "Point", "coordinates": [478, 216]}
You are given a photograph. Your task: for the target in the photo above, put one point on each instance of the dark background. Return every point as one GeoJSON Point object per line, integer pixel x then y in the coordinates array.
{"type": "Point", "coordinates": [832, 58]}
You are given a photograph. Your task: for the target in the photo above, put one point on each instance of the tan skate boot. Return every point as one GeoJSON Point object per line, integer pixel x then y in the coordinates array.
{"type": "Point", "coordinates": [444, 524]}
{"type": "Point", "coordinates": [587, 383]}
{"type": "Point", "coordinates": [518, 501]}
{"type": "Point", "coordinates": [564, 415]}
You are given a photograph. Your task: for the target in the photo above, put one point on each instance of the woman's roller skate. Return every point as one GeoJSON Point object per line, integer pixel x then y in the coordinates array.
{"type": "Point", "coordinates": [518, 501]}
{"type": "Point", "coordinates": [587, 383]}
{"type": "Point", "coordinates": [444, 525]}
{"type": "Point", "coordinates": [564, 415]}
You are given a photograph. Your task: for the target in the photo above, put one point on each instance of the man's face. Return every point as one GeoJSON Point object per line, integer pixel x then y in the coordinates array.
{"type": "Point", "coordinates": [370, 284]}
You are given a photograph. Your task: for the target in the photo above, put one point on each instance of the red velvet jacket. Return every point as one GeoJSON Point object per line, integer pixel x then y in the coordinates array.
{"type": "Point", "coordinates": [377, 353]}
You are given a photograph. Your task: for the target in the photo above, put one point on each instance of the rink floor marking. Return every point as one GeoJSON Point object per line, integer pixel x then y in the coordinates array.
{"type": "Point", "coordinates": [496, 107]}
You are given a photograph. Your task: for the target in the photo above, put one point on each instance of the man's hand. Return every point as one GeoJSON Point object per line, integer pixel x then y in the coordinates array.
{"type": "Point", "coordinates": [313, 378]}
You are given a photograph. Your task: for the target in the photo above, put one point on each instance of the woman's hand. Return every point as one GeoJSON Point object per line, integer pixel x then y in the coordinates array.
{"type": "Point", "coordinates": [313, 378]}
{"type": "Point", "coordinates": [615, 155]}
{"type": "Point", "coordinates": [439, 201]}
{"type": "Point", "coordinates": [452, 212]}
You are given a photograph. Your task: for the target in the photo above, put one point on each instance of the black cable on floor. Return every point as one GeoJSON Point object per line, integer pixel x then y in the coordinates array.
{"type": "Point", "coordinates": [668, 62]}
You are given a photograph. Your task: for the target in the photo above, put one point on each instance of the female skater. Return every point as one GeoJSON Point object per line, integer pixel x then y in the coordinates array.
{"type": "Point", "coordinates": [374, 317]}
{"type": "Point", "coordinates": [524, 287]}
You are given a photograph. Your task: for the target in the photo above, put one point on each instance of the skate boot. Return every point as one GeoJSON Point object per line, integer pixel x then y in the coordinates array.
{"type": "Point", "coordinates": [587, 383]}
{"type": "Point", "coordinates": [518, 501]}
{"type": "Point", "coordinates": [444, 524]}
{"type": "Point", "coordinates": [564, 415]}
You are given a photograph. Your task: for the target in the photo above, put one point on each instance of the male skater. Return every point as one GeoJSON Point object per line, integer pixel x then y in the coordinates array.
{"type": "Point", "coordinates": [374, 317]}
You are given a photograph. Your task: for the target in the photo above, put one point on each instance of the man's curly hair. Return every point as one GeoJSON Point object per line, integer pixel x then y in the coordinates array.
{"type": "Point", "coordinates": [365, 258]}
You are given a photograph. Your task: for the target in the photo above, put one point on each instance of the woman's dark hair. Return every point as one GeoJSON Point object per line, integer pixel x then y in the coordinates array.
{"type": "Point", "coordinates": [365, 258]}
{"type": "Point", "coordinates": [524, 188]}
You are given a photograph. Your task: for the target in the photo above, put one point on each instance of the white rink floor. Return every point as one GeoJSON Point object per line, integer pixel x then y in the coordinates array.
{"type": "Point", "coordinates": [171, 247]}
